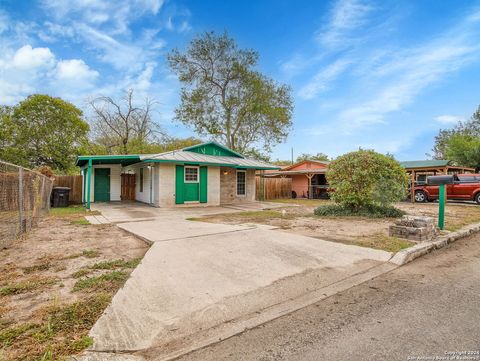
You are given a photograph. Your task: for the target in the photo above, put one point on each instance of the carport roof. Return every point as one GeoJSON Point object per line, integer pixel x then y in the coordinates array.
{"type": "Point", "coordinates": [425, 163]}
{"type": "Point", "coordinates": [124, 160]}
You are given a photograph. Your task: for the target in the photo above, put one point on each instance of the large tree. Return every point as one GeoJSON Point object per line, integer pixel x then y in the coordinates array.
{"type": "Point", "coordinates": [319, 156]}
{"type": "Point", "coordinates": [224, 98]}
{"type": "Point", "coordinates": [42, 131]}
{"type": "Point", "coordinates": [122, 125]}
{"type": "Point", "coordinates": [461, 143]}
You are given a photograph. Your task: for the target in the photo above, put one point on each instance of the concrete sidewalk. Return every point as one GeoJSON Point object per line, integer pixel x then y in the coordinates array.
{"type": "Point", "coordinates": [193, 289]}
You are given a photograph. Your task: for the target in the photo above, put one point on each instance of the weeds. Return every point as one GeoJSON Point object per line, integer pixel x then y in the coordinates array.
{"type": "Point", "coordinates": [25, 286]}
{"type": "Point", "coordinates": [61, 331]}
{"type": "Point", "coordinates": [117, 263]}
{"type": "Point", "coordinates": [386, 243]}
{"type": "Point", "coordinates": [81, 273]}
{"type": "Point", "coordinates": [87, 253]}
{"type": "Point", "coordinates": [106, 282]}
{"type": "Point", "coordinates": [80, 222]}
{"type": "Point", "coordinates": [336, 210]}
{"type": "Point", "coordinates": [37, 268]}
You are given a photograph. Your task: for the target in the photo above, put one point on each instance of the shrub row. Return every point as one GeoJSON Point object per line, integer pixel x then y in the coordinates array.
{"type": "Point", "coordinates": [371, 211]}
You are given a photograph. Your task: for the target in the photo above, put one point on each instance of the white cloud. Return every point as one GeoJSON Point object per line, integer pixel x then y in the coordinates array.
{"type": "Point", "coordinates": [114, 15]}
{"type": "Point", "coordinates": [29, 69]}
{"type": "Point", "coordinates": [75, 69]}
{"type": "Point", "coordinates": [399, 80]}
{"type": "Point", "coordinates": [449, 119]}
{"type": "Point", "coordinates": [32, 58]}
{"type": "Point", "coordinates": [4, 22]}
{"type": "Point", "coordinates": [323, 79]}
{"type": "Point", "coordinates": [345, 17]}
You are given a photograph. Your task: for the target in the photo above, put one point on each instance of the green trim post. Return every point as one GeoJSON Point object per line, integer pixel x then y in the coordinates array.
{"type": "Point", "coordinates": [89, 174]}
{"type": "Point", "coordinates": [441, 206]}
{"type": "Point", "coordinates": [84, 186]}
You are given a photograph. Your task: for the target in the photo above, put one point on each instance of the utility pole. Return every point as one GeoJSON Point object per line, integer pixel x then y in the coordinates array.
{"type": "Point", "coordinates": [292, 155]}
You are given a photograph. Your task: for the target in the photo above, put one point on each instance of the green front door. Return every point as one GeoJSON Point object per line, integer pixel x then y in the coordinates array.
{"type": "Point", "coordinates": [188, 184]}
{"type": "Point", "coordinates": [101, 185]}
{"type": "Point", "coordinates": [191, 192]}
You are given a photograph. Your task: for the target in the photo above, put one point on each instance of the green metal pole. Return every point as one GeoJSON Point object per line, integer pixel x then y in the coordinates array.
{"type": "Point", "coordinates": [89, 174]}
{"type": "Point", "coordinates": [84, 186]}
{"type": "Point", "coordinates": [441, 207]}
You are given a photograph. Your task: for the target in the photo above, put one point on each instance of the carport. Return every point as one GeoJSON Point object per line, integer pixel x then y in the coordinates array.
{"type": "Point", "coordinates": [99, 168]}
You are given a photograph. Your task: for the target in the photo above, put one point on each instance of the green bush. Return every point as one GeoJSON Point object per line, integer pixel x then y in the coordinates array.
{"type": "Point", "coordinates": [371, 211]}
{"type": "Point", "coordinates": [364, 179]}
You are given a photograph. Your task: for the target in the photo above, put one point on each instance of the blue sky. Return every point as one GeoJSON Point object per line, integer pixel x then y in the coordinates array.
{"type": "Point", "coordinates": [384, 75]}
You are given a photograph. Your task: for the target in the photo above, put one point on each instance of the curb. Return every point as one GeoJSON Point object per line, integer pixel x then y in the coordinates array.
{"type": "Point", "coordinates": [408, 255]}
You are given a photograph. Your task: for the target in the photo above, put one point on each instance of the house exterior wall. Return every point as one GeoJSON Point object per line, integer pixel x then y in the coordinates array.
{"type": "Point", "coordinates": [300, 185]}
{"type": "Point", "coordinates": [228, 186]}
{"type": "Point", "coordinates": [166, 190]}
{"type": "Point", "coordinates": [220, 189]}
{"type": "Point", "coordinates": [143, 196]}
{"type": "Point", "coordinates": [213, 187]}
{"type": "Point", "coordinates": [115, 181]}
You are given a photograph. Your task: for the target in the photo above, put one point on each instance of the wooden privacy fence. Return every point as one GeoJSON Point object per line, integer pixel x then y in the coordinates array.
{"type": "Point", "coordinates": [273, 188]}
{"type": "Point", "coordinates": [74, 182]}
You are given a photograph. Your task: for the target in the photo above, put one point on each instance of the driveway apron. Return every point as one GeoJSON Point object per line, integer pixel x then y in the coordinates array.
{"type": "Point", "coordinates": [198, 278]}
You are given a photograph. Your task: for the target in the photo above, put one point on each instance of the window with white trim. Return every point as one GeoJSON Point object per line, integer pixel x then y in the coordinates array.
{"type": "Point", "coordinates": [191, 175]}
{"type": "Point", "coordinates": [241, 183]}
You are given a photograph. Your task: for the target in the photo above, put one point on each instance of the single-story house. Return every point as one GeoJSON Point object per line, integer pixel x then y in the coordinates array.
{"type": "Point", "coordinates": [308, 178]}
{"type": "Point", "coordinates": [204, 174]}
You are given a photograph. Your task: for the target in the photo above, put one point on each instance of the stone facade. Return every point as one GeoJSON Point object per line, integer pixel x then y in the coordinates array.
{"type": "Point", "coordinates": [414, 228]}
{"type": "Point", "coordinates": [228, 186]}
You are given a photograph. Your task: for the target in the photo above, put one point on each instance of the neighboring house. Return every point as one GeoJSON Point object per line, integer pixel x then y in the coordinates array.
{"type": "Point", "coordinates": [308, 178]}
{"type": "Point", "coordinates": [419, 170]}
{"type": "Point", "coordinates": [205, 174]}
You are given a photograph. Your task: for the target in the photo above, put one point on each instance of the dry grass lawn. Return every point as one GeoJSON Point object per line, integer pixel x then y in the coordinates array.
{"type": "Point", "coordinates": [297, 217]}
{"type": "Point", "coordinates": [57, 280]}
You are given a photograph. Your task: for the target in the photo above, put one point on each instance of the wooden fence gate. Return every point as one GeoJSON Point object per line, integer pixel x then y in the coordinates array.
{"type": "Point", "coordinates": [273, 188]}
{"type": "Point", "coordinates": [128, 187]}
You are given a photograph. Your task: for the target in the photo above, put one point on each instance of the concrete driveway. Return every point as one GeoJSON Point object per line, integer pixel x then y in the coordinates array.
{"type": "Point", "coordinates": [200, 282]}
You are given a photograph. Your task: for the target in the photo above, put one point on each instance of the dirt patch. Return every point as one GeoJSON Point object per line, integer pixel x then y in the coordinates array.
{"type": "Point", "coordinates": [300, 220]}
{"type": "Point", "coordinates": [44, 313]}
{"type": "Point", "coordinates": [362, 231]}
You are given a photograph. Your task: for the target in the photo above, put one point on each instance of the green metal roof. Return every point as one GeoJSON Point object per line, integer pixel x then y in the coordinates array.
{"type": "Point", "coordinates": [210, 153]}
{"type": "Point", "coordinates": [425, 163]}
{"type": "Point", "coordinates": [213, 148]}
{"type": "Point", "coordinates": [107, 159]}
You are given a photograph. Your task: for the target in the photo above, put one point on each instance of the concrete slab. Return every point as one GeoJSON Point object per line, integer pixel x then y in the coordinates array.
{"type": "Point", "coordinates": [189, 287]}
{"type": "Point", "coordinates": [170, 229]}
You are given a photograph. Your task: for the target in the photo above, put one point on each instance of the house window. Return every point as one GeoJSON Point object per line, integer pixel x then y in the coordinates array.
{"type": "Point", "coordinates": [191, 174]}
{"type": "Point", "coordinates": [241, 182]}
{"type": "Point", "coordinates": [141, 180]}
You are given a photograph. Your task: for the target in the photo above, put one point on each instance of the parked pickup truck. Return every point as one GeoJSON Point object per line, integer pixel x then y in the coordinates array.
{"type": "Point", "coordinates": [465, 187]}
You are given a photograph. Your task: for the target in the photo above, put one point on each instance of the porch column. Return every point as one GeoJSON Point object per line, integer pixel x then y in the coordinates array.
{"type": "Point", "coordinates": [412, 192]}
{"type": "Point", "coordinates": [84, 186]}
{"type": "Point", "coordinates": [309, 176]}
{"type": "Point", "coordinates": [89, 172]}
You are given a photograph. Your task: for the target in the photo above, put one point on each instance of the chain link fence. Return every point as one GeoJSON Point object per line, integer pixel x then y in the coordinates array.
{"type": "Point", "coordinates": [24, 198]}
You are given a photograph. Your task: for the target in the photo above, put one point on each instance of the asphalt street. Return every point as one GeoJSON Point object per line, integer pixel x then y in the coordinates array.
{"type": "Point", "coordinates": [428, 308]}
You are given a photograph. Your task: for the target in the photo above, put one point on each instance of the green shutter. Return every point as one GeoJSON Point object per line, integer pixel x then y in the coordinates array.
{"type": "Point", "coordinates": [203, 184]}
{"type": "Point", "coordinates": [179, 188]}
